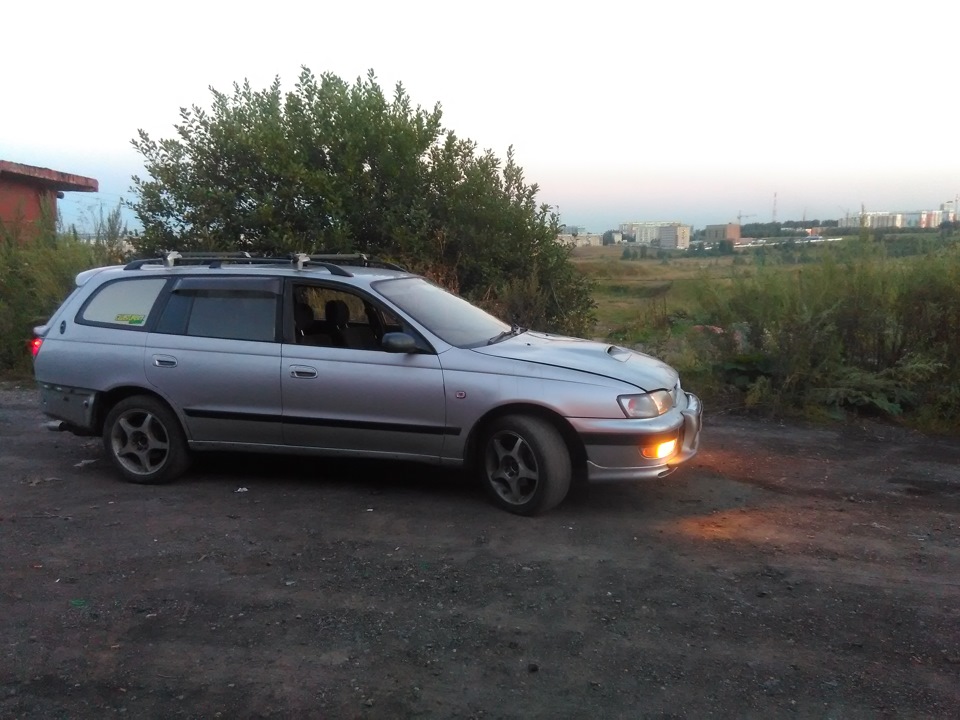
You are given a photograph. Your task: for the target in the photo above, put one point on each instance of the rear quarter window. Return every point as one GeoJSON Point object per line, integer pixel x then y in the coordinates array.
{"type": "Point", "coordinates": [124, 303]}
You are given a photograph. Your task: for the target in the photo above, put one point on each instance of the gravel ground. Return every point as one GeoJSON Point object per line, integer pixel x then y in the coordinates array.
{"type": "Point", "coordinates": [787, 571]}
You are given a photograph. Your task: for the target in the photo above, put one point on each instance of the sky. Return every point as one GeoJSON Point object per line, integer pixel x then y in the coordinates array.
{"type": "Point", "coordinates": [694, 112]}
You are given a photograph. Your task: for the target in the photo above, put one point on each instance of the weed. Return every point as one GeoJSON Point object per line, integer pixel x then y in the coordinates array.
{"type": "Point", "coordinates": [36, 274]}
{"type": "Point", "coordinates": [854, 327]}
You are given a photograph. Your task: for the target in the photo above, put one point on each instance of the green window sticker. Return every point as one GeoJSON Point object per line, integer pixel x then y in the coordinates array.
{"type": "Point", "coordinates": [131, 319]}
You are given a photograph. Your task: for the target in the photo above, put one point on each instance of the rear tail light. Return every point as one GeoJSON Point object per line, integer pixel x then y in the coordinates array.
{"type": "Point", "coordinates": [35, 346]}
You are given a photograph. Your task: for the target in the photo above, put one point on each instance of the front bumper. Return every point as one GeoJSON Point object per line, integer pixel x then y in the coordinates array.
{"type": "Point", "coordinates": [613, 446]}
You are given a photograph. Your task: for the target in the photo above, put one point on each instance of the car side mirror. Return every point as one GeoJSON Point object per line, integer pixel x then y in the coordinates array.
{"type": "Point", "coordinates": [398, 342]}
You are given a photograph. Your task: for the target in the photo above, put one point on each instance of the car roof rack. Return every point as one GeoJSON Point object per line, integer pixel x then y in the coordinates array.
{"type": "Point", "coordinates": [357, 259]}
{"type": "Point", "coordinates": [332, 262]}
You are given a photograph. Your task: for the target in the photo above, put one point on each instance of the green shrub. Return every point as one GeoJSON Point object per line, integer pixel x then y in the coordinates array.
{"type": "Point", "coordinates": [36, 274]}
{"type": "Point", "coordinates": [859, 332]}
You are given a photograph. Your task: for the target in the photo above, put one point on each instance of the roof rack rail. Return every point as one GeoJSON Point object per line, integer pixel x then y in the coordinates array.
{"type": "Point", "coordinates": [302, 259]}
{"type": "Point", "coordinates": [333, 262]}
{"type": "Point", "coordinates": [361, 259]}
{"type": "Point", "coordinates": [209, 254]}
{"type": "Point", "coordinates": [217, 259]}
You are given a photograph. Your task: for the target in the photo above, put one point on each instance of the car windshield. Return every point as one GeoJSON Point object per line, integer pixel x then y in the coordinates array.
{"type": "Point", "coordinates": [450, 318]}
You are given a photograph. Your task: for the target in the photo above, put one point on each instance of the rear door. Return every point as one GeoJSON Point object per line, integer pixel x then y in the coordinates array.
{"type": "Point", "coordinates": [215, 356]}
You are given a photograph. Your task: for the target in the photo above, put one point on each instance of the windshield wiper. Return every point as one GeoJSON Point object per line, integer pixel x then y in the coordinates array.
{"type": "Point", "coordinates": [514, 330]}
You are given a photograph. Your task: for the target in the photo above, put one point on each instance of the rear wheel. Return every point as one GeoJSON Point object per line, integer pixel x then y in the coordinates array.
{"type": "Point", "coordinates": [525, 465]}
{"type": "Point", "coordinates": [145, 442]}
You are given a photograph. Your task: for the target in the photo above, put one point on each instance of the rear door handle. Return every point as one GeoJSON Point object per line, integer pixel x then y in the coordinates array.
{"type": "Point", "coordinates": [303, 371]}
{"type": "Point", "coordinates": [164, 361]}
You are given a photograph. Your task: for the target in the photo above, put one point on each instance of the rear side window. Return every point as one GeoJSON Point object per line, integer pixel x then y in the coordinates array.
{"type": "Point", "coordinates": [225, 310]}
{"type": "Point", "coordinates": [125, 303]}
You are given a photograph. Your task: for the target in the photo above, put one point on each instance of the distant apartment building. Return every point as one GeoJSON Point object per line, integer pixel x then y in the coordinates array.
{"type": "Point", "coordinates": [643, 233]}
{"type": "Point", "coordinates": [885, 220]}
{"type": "Point", "coordinates": [926, 218]}
{"type": "Point", "coordinates": [667, 235]}
{"type": "Point", "coordinates": [715, 234]}
{"type": "Point", "coordinates": [914, 219]}
{"type": "Point", "coordinates": [580, 240]}
{"type": "Point", "coordinates": [675, 237]}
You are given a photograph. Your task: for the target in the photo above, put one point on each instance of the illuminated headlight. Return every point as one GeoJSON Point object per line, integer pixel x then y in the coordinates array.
{"type": "Point", "coordinates": [649, 405]}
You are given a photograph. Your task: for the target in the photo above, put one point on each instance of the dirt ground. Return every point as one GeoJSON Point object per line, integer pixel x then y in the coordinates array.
{"type": "Point", "coordinates": [788, 571]}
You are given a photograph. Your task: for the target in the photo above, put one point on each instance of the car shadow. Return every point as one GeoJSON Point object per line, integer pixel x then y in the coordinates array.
{"type": "Point", "coordinates": [368, 476]}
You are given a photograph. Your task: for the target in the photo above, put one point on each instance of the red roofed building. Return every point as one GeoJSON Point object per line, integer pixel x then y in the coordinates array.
{"type": "Point", "coordinates": [28, 194]}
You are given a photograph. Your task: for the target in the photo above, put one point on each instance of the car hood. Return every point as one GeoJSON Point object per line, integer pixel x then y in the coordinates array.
{"type": "Point", "coordinates": [588, 356]}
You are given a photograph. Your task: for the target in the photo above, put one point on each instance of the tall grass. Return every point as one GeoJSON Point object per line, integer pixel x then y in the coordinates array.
{"type": "Point", "coordinates": [849, 327]}
{"type": "Point", "coordinates": [860, 331]}
{"type": "Point", "coordinates": [36, 273]}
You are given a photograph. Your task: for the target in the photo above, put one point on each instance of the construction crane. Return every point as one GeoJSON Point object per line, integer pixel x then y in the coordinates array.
{"type": "Point", "coordinates": [741, 216]}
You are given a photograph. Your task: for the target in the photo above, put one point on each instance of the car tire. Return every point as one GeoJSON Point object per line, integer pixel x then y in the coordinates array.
{"type": "Point", "coordinates": [145, 441]}
{"type": "Point", "coordinates": [525, 464]}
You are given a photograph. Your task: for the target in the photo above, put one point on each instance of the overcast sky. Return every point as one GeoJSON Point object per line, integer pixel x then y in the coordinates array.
{"type": "Point", "coordinates": [686, 111]}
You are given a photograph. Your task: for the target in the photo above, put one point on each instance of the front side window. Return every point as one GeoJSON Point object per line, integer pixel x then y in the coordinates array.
{"type": "Point", "coordinates": [327, 316]}
{"type": "Point", "coordinates": [125, 303]}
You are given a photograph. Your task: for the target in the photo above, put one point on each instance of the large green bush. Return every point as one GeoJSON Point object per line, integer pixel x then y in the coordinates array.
{"type": "Point", "coordinates": [336, 166]}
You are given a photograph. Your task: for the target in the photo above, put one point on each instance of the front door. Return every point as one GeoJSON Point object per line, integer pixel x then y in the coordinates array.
{"type": "Point", "coordinates": [363, 401]}
{"type": "Point", "coordinates": [345, 394]}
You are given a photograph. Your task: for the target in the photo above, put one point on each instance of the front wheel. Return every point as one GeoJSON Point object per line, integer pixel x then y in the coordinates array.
{"type": "Point", "coordinates": [145, 442]}
{"type": "Point", "coordinates": [525, 465]}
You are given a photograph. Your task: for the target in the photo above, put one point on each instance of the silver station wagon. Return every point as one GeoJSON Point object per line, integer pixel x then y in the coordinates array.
{"type": "Point", "coordinates": [337, 355]}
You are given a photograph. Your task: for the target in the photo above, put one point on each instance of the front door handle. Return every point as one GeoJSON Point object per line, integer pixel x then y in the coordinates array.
{"type": "Point", "coordinates": [164, 361]}
{"type": "Point", "coordinates": [303, 371]}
